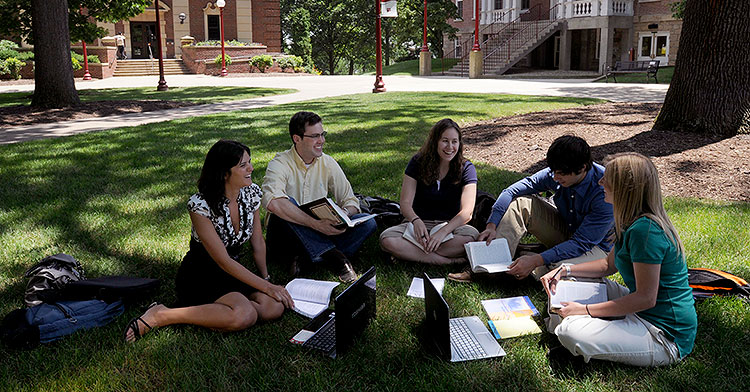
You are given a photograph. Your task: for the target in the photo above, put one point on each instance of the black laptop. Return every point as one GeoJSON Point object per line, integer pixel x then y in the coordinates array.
{"type": "Point", "coordinates": [334, 331]}
{"type": "Point", "coordinates": [455, 339]}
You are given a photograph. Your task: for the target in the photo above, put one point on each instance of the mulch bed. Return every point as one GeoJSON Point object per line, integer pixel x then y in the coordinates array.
{"type": "Point", "coordinates": [14, 116]}
{"type": "Point", "coordinates": [690, 165]}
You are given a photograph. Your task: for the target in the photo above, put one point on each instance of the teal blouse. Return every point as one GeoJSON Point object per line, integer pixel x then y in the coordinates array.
{"type": "Point", "coordinates": [674, 313]}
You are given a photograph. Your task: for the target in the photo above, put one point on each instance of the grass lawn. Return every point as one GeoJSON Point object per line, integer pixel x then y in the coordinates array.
{"type": "Point", "coordinates": [116, 201]}
{"type": "Point", "coordinates": [190, 94]}
{"type": "Point", "coordinates": [664, 76]}
{"type": "Point", "coordinates": [411, 67]}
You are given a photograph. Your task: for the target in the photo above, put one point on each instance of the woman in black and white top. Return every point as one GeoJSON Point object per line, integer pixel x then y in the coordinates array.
{"type": "Point", "coordinates": [215, 290]}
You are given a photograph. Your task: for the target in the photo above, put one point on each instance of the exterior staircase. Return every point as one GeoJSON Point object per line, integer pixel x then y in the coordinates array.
{"type": "Point", "coordinates": [150, 67]}
{"type": "Point", "coordinates": [508, 44]}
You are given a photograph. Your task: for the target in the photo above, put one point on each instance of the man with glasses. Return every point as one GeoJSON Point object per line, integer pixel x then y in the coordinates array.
{"type": "Point", "coordinates": [300, 175]}
{"type": "Point", "coordinates": [575, 226]}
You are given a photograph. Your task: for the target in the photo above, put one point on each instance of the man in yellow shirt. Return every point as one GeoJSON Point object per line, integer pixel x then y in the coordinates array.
{"type": "Point", "coordinates": [303, 174]}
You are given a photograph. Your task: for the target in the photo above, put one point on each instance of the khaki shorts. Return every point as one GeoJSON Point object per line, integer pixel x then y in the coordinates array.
{"type": "Point", "coordinates": [398, 230]}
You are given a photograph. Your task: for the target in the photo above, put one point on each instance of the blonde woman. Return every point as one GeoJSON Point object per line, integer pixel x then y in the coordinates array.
{"type": "Point", "coordinates": [659, 323]}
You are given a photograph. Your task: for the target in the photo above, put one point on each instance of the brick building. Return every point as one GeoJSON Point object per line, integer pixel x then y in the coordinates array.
{"type": "Point", "coordinates": [255, 21]}
{"type": "Point", "coordinates": [563, 34]}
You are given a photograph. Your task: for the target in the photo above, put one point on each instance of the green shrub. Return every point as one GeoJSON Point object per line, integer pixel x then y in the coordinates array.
{"type": "Point", "coordinates": [289, 62]}
{"type": "Point", "coordinates": [263, 62]}
{"type": "Point", "coordinates": [227, 60]}
{"type": "Point", "coordinates": [76, 64]}
{"type": "Point", "coordinates": [93, 59]}
{"type": "Point", "coordinates": [26, 55]}
{"type": "Point", "coordinates": [232, 42]}
{"type": "Point", "coordinates": [6, 53]}
{"type": "Point", "coordinates": [13, 67]}
{"type": "Point", "coordinates": [5, 44]}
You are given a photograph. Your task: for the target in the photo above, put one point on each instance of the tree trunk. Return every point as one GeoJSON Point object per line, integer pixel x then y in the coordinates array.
{"type": "Point", "coordinates": [710, 90]}
{"type": "Point", "coordinates": [54, 86]}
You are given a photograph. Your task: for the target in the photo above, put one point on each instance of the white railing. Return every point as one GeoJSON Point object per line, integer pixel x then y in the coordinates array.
{"type": "Point", "coordinates": [502, 15]}
{"type": "Point", "coordinates": [588, 8]}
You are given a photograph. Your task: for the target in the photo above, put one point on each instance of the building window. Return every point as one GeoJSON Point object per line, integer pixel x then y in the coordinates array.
{"type": "Point", "coordinates": [460, 6]}
{"type": "Point", "coordinates": [654, 44]}
{"type": "Point", "coordinates": [214, 31]}
{"type": "Point", "coordinates": [498, 4]}
{"type": "Point", "coordinates": [525, 4]}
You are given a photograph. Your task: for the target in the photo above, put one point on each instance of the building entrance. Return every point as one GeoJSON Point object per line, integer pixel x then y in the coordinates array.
{"type": "Point", "coordinates": [143, 39]}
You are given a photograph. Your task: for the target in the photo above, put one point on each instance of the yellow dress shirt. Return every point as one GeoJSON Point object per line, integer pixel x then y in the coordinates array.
{"type": "Point", "coordinates": [288, 176]}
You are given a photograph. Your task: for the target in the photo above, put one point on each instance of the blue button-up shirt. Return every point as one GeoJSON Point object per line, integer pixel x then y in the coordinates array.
{"type": "Point", "coordinates": [581, 206]}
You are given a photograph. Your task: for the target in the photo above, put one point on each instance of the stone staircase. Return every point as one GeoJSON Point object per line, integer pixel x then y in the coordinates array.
{"type": "Point", "coordinates": [511, 43]}
{"type": "Point", "coordinates": [150, 67]}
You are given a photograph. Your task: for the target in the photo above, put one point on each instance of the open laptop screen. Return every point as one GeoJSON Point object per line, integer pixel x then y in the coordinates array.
{"type": "Point", "coordinates": [437, 314]}
{"type": "Point", "coordinates": [354, 309]}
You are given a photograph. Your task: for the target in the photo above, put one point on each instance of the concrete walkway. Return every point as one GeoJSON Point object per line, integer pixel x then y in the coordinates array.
{"type": "Point", "coordinates": [315, 87]}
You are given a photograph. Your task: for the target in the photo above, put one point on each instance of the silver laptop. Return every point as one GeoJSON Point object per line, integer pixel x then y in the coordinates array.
{"type": "Point", "coordinates": [455, 339]}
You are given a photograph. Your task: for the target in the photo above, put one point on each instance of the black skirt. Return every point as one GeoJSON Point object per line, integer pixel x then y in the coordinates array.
{"type": "Point", "coordinates": [201, 281]}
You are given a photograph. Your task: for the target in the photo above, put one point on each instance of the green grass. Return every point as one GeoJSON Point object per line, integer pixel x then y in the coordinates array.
{"type": "Point", "coordinates": [664, 76]}
{"type": "Point", "coordinates": [411, 67]}
{"type": "Point", "coordinates": [197, 95]}
{"type": "Point", "coordinates": [116, 201]}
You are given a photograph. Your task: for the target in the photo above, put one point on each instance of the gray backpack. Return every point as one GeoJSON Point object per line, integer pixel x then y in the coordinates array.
{"type": "Point", "coordinates": [47, 278]}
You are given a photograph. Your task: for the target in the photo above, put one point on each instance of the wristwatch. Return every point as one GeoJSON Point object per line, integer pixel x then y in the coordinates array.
{"type": "Point", "coordinates": [566, 266]}
{"type": "Point", "coordinates": [268, 277]}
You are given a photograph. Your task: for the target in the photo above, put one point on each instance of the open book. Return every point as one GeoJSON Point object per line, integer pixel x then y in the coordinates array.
{"type": "Point", "coordinates": [581, 292]}
{"type": "Point", "coordinates": [325, 208]}
{"type": "Point", "coordinates": [311, 297]}
{"type": "Point", "coordinates": [511, 317]}
{"type": "Point", "coordinates": [493, 258]}
{"type": "Point", "coordinates": [411, 237]}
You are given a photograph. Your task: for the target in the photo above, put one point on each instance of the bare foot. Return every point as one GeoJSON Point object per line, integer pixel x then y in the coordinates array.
{"type": "Point", "coordinates": [145, 323]}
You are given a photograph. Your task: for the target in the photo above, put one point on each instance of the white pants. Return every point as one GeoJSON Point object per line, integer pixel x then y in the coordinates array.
{"type": "Point", "coordinates": [632, 340]}
{"type": "Point", "coordinates": [532, 214]}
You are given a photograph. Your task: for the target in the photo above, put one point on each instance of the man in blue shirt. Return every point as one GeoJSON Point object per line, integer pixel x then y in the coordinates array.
{"type": "Point", "coordinates": [575, 228]}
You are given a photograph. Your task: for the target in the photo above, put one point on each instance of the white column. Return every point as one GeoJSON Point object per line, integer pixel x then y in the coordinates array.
{"type": "Point", "coordinates": [180, 29]}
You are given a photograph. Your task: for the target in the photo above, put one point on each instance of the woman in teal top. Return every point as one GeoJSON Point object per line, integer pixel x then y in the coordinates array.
{"type": "Point", "coordinates": [654, 316]}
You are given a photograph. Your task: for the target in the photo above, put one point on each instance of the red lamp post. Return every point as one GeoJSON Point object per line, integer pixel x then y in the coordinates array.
{"type": "Point", "coordinates": [221, 4]}
{"type": "Point", "coordinates": [476, 27]}
{"type": "Point", "coordinates": [162, 83]}
{"type": "Point", "coordinates": [86, 74]}
{"type": "Point", "coordinates": [379, 85]}
{"type": "Point", "coordinates": [424, 29]}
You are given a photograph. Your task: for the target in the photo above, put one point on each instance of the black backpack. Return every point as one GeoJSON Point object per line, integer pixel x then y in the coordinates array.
{"type": "Point", "coordinates": [707, 282]}
{"type": "Point", "coordinates": [49, 276]}
{"type": "Point", "coordinates": [482, 210]}
{"type": "Point", "coordinates": [389, 211]}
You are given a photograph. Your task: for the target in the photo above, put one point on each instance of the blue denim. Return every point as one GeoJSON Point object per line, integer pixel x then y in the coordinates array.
{"type": "Point", "coordinates": [317, 243]}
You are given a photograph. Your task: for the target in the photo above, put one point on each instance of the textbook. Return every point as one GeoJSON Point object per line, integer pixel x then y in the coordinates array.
{"type": "Point", "coordinates": [311, 297]}
{"type": "Point", "coordinates": [325, 208]}
{"type": "Point", "coordinates": [511, 317]}
{"type": "Point", "coordinates": [411, 237]}
{"type": "Point", "coordinates": [493, 258]}
{"type": "Point", "coordinates": [586, 293]}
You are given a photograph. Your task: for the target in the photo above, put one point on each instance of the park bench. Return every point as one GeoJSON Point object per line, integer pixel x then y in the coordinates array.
{"type": "Point", "coordinates": [650, 67]}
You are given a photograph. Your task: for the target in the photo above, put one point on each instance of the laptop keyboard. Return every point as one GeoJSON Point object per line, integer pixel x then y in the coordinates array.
{"type": "Point", "coordinates": [325, 338]}
{"type": "Point", "coordinates": [464, 342]}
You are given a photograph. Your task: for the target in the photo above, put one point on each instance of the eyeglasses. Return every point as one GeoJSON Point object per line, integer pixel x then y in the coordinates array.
{"type": "Point", "coordinates": [316, 135]}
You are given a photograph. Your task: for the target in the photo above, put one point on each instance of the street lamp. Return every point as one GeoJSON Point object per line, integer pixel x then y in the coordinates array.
{"type": "Point", "coordinates": [221, 4]}
{"type": "Point", "coordinates": [379, 85]}
{"type": "Point", "coordinates": [424, 29]}
{"type": "Point", "coordinates": [86, 74]}
{"type": "Point", "coordinates": [162, 83]}
{"type": "Point", "coordinates": [476, 27]}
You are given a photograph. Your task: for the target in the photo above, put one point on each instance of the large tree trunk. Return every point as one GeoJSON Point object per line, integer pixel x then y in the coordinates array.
{"type": "Point", "coordinates": [710, 90]}
{"type": "Point", "coordinates": [54, 86]}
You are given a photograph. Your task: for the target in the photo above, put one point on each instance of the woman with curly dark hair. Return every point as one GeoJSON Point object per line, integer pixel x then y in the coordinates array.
{"type": "Point", "coordinates": [215, 290]}
{"type": "Point", "coordinates": [437, 199]}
